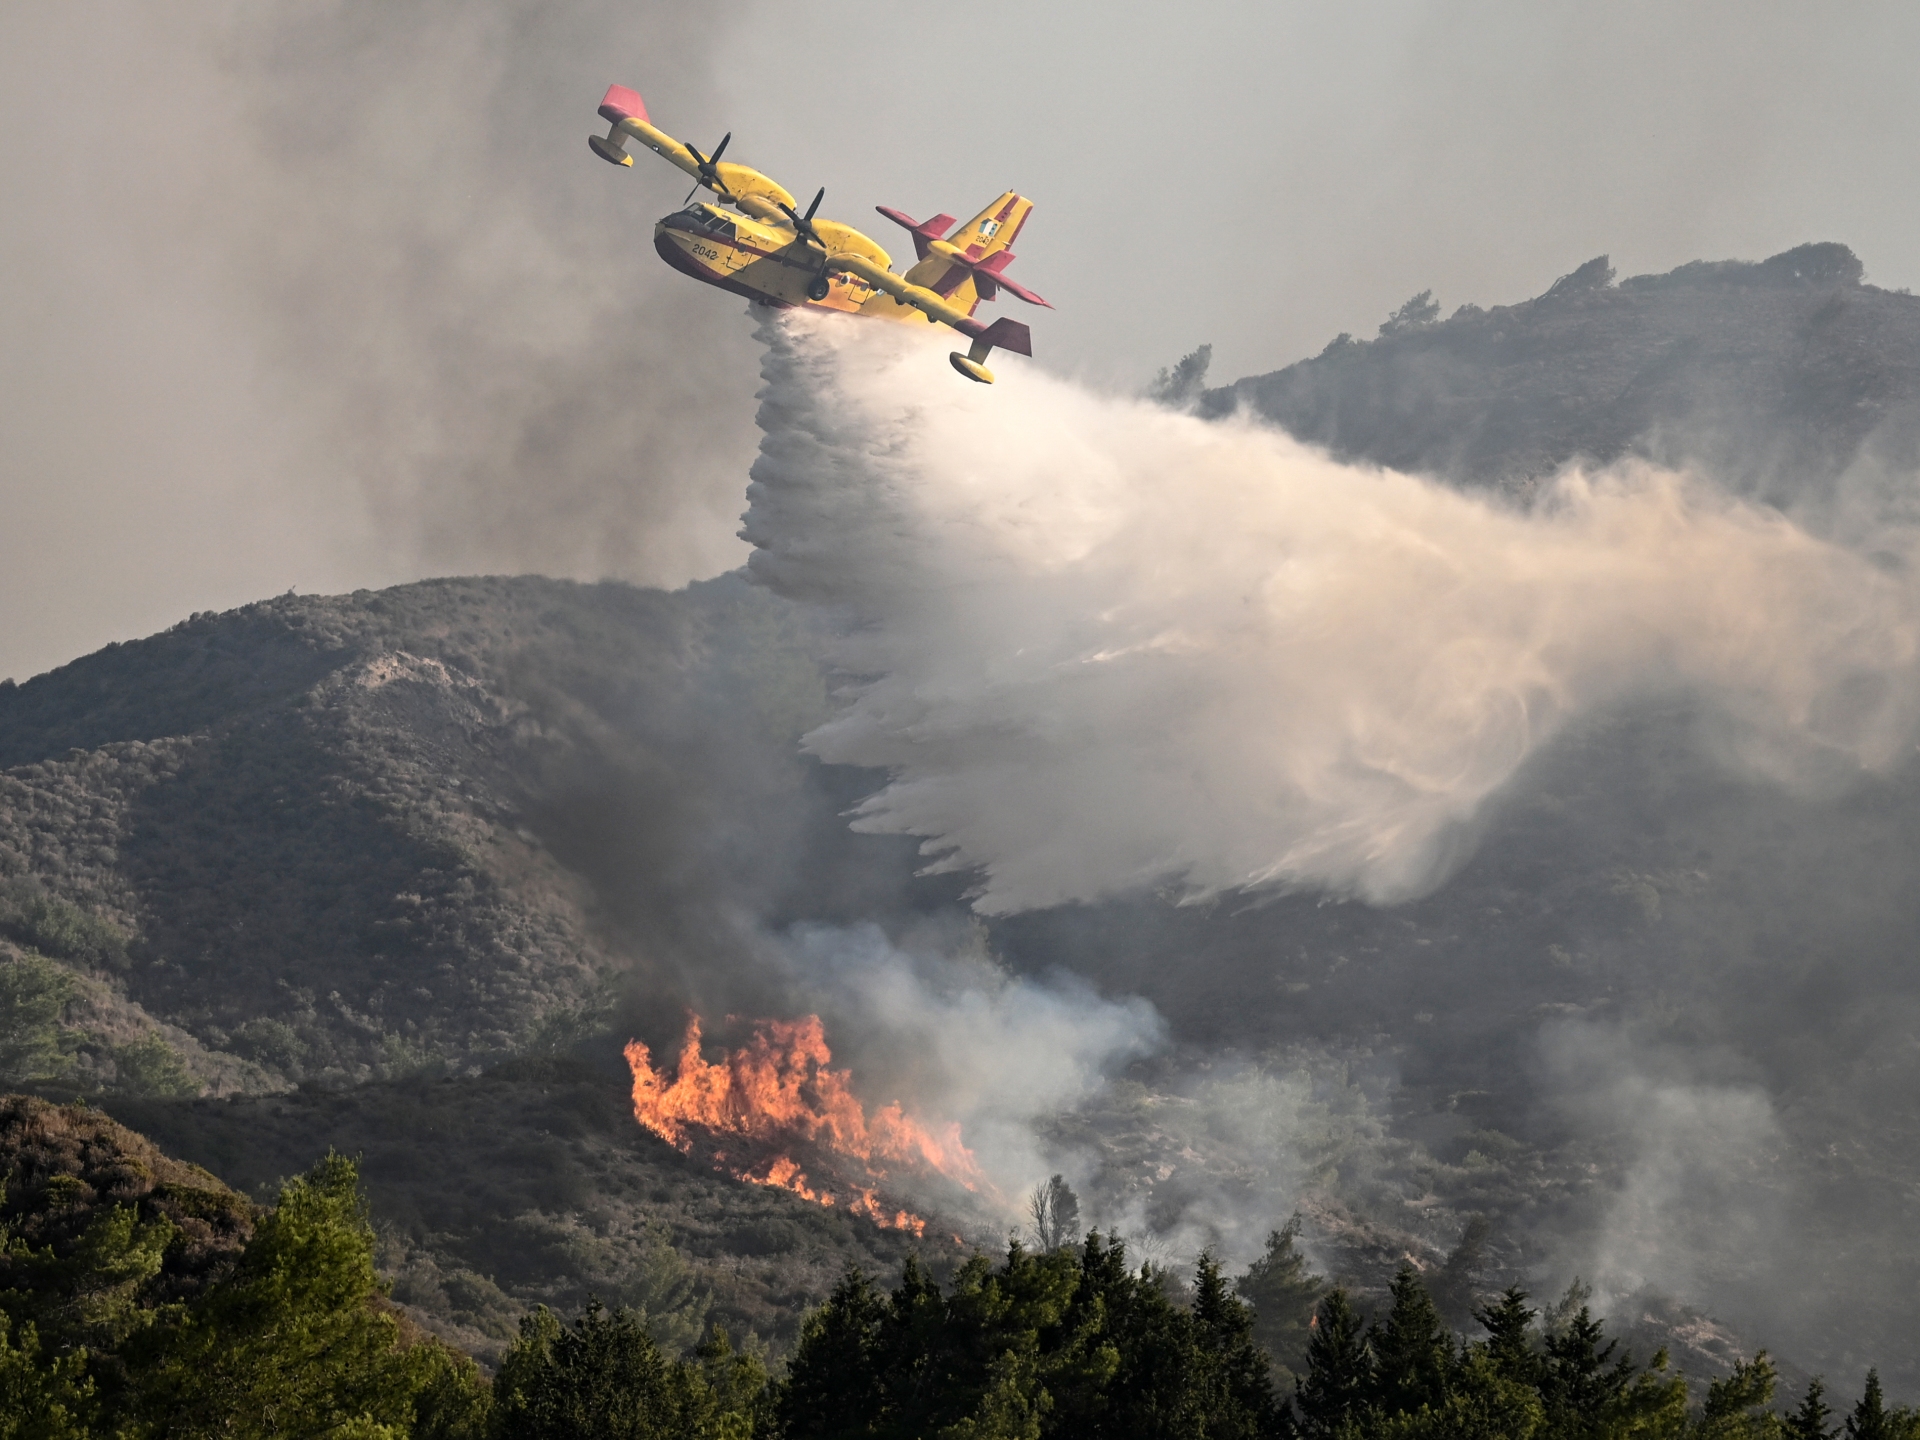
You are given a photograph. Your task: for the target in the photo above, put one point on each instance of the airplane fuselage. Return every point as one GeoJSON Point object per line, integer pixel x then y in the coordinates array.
{"type": "Point", "coordinates": [766, 263]}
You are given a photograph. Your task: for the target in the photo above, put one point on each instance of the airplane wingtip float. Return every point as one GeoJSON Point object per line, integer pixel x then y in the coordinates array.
{"type": "Point", "coordinates": [776, 254]}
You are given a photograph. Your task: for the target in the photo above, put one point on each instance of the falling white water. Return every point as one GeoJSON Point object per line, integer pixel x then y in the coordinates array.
{"type": "Point", "coordinates": [1098, 644]}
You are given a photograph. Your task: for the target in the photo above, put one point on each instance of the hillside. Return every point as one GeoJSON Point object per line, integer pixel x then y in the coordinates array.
{"type": "Point", "coordinates": [65, 1166]}
{"type": "Point", "coordinates": [317, 844]}
{"type": "Point", "coordinates": [337, 839]}
{"type": "Point", "coordinates": [532, 1185]}
{"type": "Point", "coordinates": [141, 1296]}
{"type": "Point", "coordinates": [539, 832]}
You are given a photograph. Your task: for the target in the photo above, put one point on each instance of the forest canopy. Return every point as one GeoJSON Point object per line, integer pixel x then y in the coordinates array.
{"type": "Point", "coordinates": [141, 1298]}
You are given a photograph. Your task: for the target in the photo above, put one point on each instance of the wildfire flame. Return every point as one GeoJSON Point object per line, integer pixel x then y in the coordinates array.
{"type": "Point", "coordinates": [778, 1089]}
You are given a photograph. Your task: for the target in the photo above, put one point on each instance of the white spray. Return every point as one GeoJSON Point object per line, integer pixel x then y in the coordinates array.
{"type": "Point", "coordinates": [1101, 645]}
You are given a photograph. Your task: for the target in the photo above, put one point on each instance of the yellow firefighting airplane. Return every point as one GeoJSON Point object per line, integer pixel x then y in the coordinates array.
{"type": "Point", "coordinates": [776, 255]}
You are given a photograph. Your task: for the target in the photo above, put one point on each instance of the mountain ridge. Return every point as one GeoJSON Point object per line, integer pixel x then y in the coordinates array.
{"type": "Point", "coordinates": [1778, 377]}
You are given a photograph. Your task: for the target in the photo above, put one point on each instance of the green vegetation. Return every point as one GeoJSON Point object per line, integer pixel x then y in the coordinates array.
{"type": "Point", "coordinates": [532, 1185]}
{"type": "Point", "coordinates": [603, 1376]}
{"type": "Point", "coordinates": [285, 1334]}
{"type": "Point", "coordinates": [358, 837]}
{"type": "Point", "coordinates": [33, 996]}
{"type": "Point", "coordinates": [150, 1066]}
{"type": "Point", "coordinates": [139, 1297]}
{"type": "Point", "coordinates": [1409, 1376]}
{"type": "Point", "coordinates": [41, 1043]}
{"type": "Point", "coordinates": [31, 917]}
{"type": "Point", "coordinates": [1063, 1343]}
{"type": "Point", "coordinates": [1282, 1291]}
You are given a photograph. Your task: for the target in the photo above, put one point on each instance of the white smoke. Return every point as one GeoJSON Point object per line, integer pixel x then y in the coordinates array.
{"type": "Point", "coordinates": [1218, 1157]}
{"type": "Point", "coordinates": [959, 1039]}
{"type": "Point", "coordinates": [1102, 645]}
{"type": "Point", "coordinates": [1696, 1191]}
{"type": "Point", "coordinates": [1207, 1156]}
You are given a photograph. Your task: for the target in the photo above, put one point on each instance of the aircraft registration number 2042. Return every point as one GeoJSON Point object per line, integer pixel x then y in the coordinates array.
{"type": "Point", "coordinates": [775, 254]}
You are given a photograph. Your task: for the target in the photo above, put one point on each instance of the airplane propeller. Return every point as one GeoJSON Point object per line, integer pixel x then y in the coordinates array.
{"type": "Point", "coordinates": [709, 167]}
{"type": "Point", "coordinates": [803, 224]}
{"type": "Point", "coordinates": [818, 287]}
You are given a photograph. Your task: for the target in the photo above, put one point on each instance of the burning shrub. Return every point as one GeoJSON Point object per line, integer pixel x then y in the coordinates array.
{"type": "Point", "coordinates": [759, 1106]}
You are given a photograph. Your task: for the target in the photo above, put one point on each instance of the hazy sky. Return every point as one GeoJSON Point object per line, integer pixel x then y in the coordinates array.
{"type": "Point", "coordinates": [327, 293]}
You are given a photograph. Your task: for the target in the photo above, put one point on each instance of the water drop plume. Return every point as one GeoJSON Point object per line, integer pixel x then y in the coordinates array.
{"type": "Point", "coordinates": [1097, 644]}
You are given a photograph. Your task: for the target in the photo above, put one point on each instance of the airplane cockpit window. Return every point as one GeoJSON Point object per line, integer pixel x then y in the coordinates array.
{"type": "Point", "coordinates": [709, 221]}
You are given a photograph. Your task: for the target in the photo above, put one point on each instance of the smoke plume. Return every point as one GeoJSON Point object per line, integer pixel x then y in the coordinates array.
{"type": "Point", "coordinates": [329, 293]}
{"type": "Point", "coordinates": [1101, 645]}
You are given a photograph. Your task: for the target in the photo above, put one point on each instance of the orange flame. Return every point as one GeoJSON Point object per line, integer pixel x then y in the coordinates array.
{"type": "Point", "coordinates": [777, 1089]}
{"type": "Point", "coordinates": [900, 1219]}
{"type": "Point", "coordinates": [787, 1175]}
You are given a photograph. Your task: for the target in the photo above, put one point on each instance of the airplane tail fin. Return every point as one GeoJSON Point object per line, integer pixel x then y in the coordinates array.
{"type": "Point", "coordinates": [993, 229]}
{"type": "Point", "coordinates": [969, 265]}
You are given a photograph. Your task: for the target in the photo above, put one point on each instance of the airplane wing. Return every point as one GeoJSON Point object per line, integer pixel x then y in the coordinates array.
{"type": "Point", "coordinates": [1007, 334]}
{"type": "Point", "coordinates": [918, 296]}
{"type": "Point", "coordinates": [737, 185]}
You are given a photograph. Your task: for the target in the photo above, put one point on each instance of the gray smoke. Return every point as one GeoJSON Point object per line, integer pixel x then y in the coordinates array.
{"type": "Point", "coordinates": [326, 293]}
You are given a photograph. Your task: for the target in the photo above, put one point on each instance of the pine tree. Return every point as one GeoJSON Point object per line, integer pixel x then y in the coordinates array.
{"type": "Point", "coordinates": [1809, 1419]}
{"type": "Point", "coordinates": [1870, 1420]}
{"type": "Point", "coordinates": [1509, 1343]}
{"type": "Point", "coordinates": [602, 1376]}
{"type": "Point", "coordinates": [730, 1395]}
{"type": "Point", "coordinates": [34, 991]}
{"type": "Point", "coordinates": [451, 1401]}
{"type": "Point", "coordinates": [1181, 385]}
{"type": "Point", "coordinates": [42, 1396]}
{"type": "Point", "coordinates": [1283, 1293]}
{"type": "Point", "coordinates": [1113, 1332]}
{"type": "Point", "coordinates": [976, 1361]}
{"type": "Point", "coordinates": [1239, 1400]}
{"type": "Point", "coordinates": [1340, 1374]}
{"type": "Point", "coordinates": [292, 1340]}
{"type": "Point", "coordinates": [832, 1389]}
{"type": "Point", "coordinates": [1734, 1408]}
{"type": "Point", "coordinates": [1577, 1380]}
{"type": "Point", "coordinates": [1412, 1351]}
{"type": "Point", "coordinates": [1452, 1285]}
